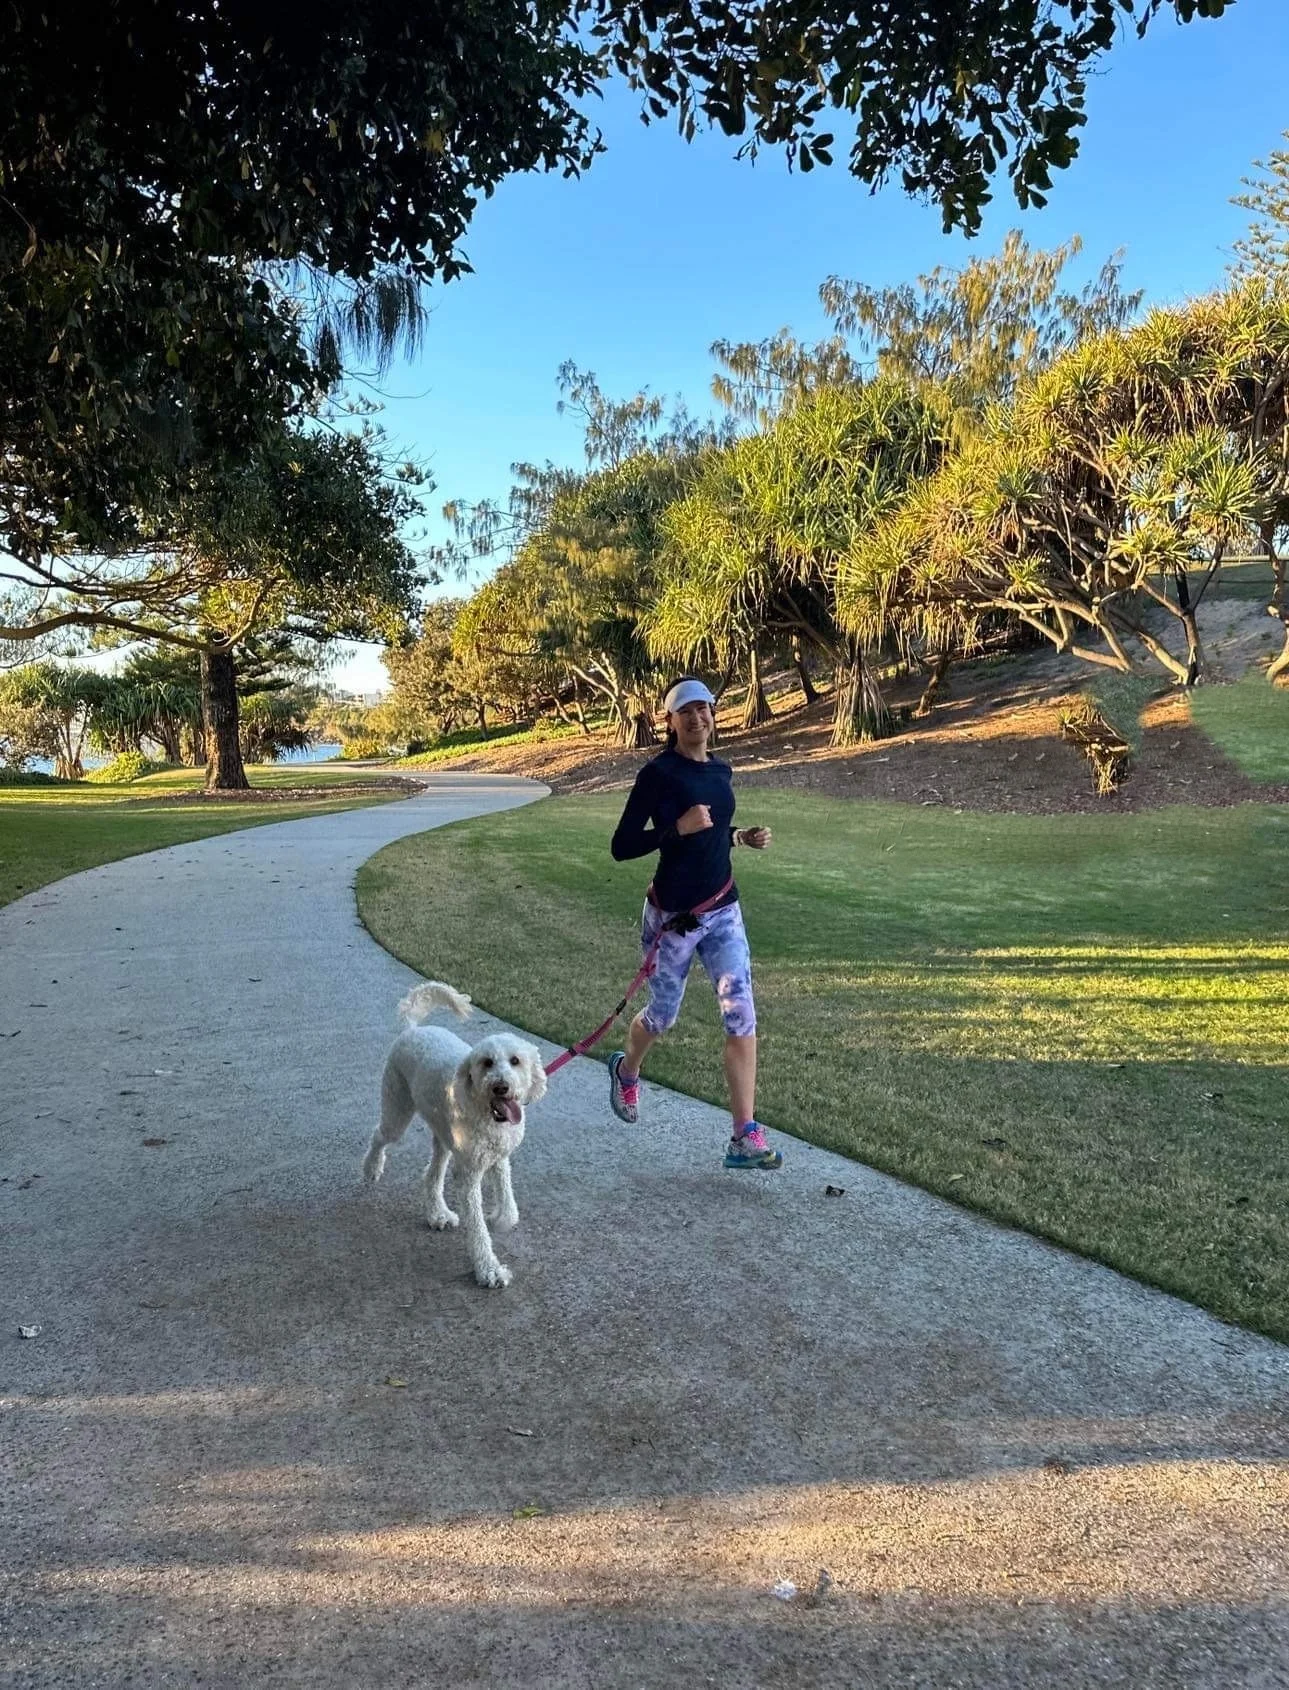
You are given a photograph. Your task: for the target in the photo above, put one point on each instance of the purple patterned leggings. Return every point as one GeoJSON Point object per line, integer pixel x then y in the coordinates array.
{"type": "Point", "coordinates": [721, 943]}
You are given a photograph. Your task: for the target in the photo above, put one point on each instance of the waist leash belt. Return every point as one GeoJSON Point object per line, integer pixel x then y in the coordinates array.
{"type": "Point", "coordinates": [684, 921]}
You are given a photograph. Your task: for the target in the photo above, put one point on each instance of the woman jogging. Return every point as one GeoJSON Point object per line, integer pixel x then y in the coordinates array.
{"type": "Point", "coordinates": [682, 806]}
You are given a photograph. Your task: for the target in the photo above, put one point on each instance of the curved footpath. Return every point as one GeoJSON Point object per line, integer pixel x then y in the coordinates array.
{"type": "Point", "coordinates": [271, 1433]}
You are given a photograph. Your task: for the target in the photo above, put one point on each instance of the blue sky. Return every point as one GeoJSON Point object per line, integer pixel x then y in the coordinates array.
{"type": "Point", "coordinates": [664, 247]}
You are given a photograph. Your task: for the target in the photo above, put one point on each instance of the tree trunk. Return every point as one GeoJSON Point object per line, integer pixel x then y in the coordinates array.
{"type": "Point", "coordinates": [809, 691]}
{"type": "Point", "coordinates": [861, 712]}
{"type": "Point", "coordinates": [637, 722]}
{"type": "Point", "coordinates": [67, 759]}
{"type": "Point", "coordinates": [577, 719]}
{"type": "Point", "coordinates": [1277, 607]}
{"type": "Point", "coordinates": [195, 745]}
{"type": "Point", "coordinates": [756, 710]}
{"type": "Point", "coordinates": [1194, 655]}
{"type": "Point", "coordinates": [225, 771]}
{"type": "Point", "coordinates": [481, 715]}
{"type": "Point", "coordinates": [931, 691]}
{"type": "Point", "coordinates": [166, 734]}
{"type": "Point", "coordinates": [1194, 652]}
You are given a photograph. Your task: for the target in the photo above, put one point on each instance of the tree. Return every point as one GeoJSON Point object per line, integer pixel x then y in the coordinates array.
{"type": "Point", "coordinates": [306, 543]}
{"type": "Point", "coordinates": [589, 575]}
{"type": "Point", "coordinates": [425, 696]}
{"type": "Point", "coordinates": [975, 332]}
{"type": "Point", "coordinates": [156, 695]}
{"type": "Point", "coordinates": [303, 539]}
{"type": "Point", "coordinates": [182, 185]}
{"type": "Point", "coordinates": [45, 711]}
{"type": "Point", "coordinates": [1106, 496]}
{"type": "Point", "coordinates": [617, 429]}
{"type": "Point", "coordinates": [497, 658]}
{"type": "Point", "coordinates": [971, 333]}
{"type": "Point", "coordinates": [160, 165]}
{"type": "Point", "coordinates": [760, 379]}
{"type": "Point", "coordinates": [581, 546]}
{"type": "Point", "coordinates": [275, 722]}
{"type": "Point", "coordinates": [1264, 250]}
{"type": "Point", "coordinates": [943, 94]}
{"type": "Point", "coordinates": [755, 546]}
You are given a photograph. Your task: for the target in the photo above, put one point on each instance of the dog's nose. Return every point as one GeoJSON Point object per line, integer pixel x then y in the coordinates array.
{"type": "Point", "coordinates": [500, 1088]}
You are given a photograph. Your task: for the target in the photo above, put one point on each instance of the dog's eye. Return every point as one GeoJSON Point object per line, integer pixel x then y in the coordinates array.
{"type": "Point", "coordinates": [487, 1062]}
{"type": "Point", "coordinates": [514, 1062]}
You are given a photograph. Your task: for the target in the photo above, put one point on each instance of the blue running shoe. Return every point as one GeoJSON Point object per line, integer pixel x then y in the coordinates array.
{"type": "Point", "coordinates": [749, 1150]}
{"type": "Point", "coordinates": [624, 1095]}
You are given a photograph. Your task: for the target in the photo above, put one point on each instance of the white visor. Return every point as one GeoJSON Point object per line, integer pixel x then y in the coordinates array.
{"type": "Point", "coordinates": [687, 692]}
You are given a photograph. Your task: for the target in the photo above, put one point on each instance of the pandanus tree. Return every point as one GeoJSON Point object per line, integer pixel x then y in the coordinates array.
{"type": "Point", "coordinates": [973, 333]}
{"type": "Point", "coordinates": [753, 548]}
{"type": "Point", "coordinates": [498, 657]}
{"type": "Point", "coordinates": [589, 574]}
{"type": "Point", "coordinates": [46, 710]}
{"type": "Point", "coordinates": [1099, 505]}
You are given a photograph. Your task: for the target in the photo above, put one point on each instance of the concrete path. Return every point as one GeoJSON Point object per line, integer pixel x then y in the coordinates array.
{"type": "Point", "coordinates": [271, 1433]}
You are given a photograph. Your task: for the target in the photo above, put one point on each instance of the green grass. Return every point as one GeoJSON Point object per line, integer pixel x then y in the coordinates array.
{"type": "Point", "coordinates": [1249, 721]}
{"type": "Point", "coordinates": [49, 830]}
{"type": "Point", "coordinates": [1075, 1024]}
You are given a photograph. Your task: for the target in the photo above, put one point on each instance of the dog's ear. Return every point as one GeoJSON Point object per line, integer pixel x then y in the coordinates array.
{"type": "Point", "coordinates": [461, 1090]}
{"type": "Point", "coordinates": [536, 1076]}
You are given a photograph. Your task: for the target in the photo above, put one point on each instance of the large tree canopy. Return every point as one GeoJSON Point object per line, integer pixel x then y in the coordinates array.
{"type": "Point", "coordinates": [156, 162]}
{"type": "Point", "coordinates": [362, 132]}
{"type": "Point", "coordinates": [943, 93]}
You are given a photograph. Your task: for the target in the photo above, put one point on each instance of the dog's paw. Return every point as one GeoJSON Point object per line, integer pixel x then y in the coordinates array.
{"type": "Point", "coordinates": [493, 1275]}
{"type": "Point", "coordinates": [440, 1220]}
{"type": "Point", "coordinates": [374, 1164]}
{"type": "Point", "coordinates": [506, 1221]}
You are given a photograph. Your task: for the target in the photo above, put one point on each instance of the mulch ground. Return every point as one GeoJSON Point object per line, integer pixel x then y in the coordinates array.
{"type": "Point", "coordinates": [993, 744]}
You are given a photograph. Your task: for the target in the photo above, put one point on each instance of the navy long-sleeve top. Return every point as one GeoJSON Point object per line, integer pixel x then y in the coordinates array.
{"type": "Point", "coordinates": [694, 866]}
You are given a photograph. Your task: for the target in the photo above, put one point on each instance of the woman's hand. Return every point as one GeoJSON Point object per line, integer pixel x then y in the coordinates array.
{"type": "Point", "coordinates": [757, 837]}
{"type": "Point", "coordinates": [694, 820]}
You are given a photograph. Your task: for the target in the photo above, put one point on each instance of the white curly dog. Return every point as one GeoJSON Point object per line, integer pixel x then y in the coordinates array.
{"type": "Point", "coordinates": [472, 1099]}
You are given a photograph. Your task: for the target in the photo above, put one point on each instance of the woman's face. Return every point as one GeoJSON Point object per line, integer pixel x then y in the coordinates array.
{"type": "Point", "coordinates": [692, 725]}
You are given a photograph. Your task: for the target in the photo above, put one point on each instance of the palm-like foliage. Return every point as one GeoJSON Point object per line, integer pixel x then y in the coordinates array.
{"type": "Point", "coordinates": [45, 711]}
{"type": "Point", "coordinates": [589, 578]}
{"type": "Point", "coordinates": [755, 545]}
{"type": "Point", "coordinates": [1122, 476]}
{"type": "Point", "coordinates": [136, 706]}
{"type": "Point", "coordinates": [272, 723]}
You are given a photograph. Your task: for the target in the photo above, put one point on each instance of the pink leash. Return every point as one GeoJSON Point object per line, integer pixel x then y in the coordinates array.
{"type": "Point", "coordinates": [642, 974]}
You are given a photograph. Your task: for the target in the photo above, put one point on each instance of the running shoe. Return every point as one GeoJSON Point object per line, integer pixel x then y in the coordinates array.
{"type": "Point", "coordinates": [624, 1095]}
{"type": "Point", "coordinates": [749, 1150]}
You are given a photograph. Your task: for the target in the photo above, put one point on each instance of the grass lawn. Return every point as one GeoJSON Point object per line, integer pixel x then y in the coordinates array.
{"type": "Point", "coordinates": [1250, 722]}
{"type": "Point", "coordinates": [1073, 1023]}
{"type": "Point", "coordinates": [49, 831]}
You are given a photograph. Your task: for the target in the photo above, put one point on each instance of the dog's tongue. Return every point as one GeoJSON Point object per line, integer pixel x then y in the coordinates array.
{"type": "Point", "coordinates": [506, 1109]}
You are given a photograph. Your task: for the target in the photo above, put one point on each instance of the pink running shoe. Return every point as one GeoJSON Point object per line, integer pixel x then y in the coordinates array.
{"type": "Point", "coordinates": [749, 1150]}
{"type": "Point", "coordinates": [624, 1095]}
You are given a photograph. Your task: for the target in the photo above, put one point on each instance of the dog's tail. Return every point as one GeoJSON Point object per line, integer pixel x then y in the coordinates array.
{"type": "Point", "coordinates": [421, 1002]}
